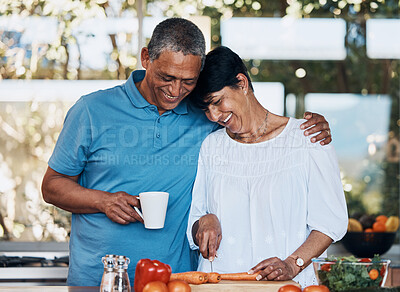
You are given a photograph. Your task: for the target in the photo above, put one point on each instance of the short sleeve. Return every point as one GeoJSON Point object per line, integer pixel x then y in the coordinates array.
{"type": "Point", "coordinates": [71, 151]}
{"type": "Point", "coordinates": [327, 210]}
{"type": "Point", "coordinates": [199, 199]}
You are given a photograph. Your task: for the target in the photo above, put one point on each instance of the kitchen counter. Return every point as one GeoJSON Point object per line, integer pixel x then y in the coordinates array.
{"type": "Point", "coordinates": [48, 289]}
{"type": "Point", "coordinates": [223, 286]}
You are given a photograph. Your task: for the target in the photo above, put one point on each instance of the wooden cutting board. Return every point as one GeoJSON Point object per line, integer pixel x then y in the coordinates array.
{"type": "Point", "coordinates": [242, 286]}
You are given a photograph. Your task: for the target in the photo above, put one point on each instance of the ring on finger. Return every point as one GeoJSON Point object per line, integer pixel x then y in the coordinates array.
{"type": "Point", "coordinates": [328, 132]}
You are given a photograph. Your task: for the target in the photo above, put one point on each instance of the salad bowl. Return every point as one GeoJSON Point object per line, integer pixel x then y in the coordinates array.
{"type": "Point", "coordinates": [344, 273]}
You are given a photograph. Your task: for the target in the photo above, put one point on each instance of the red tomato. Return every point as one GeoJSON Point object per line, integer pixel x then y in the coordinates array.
{"type": "Point", "coordinates": [289, 288]}
{"type": "Point", "coordinates": [316, 288]}
{"type": "Point", "coordinates": [365, 260]}
{"type": "Point", "coordinates": [178, 286]}
{"type": "Point", "coordinates": [326, 267]}
{"type": "Point", "coordinates": [156, 286]}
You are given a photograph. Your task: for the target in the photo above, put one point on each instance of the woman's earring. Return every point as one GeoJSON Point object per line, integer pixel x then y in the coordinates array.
{"type": "Point", "coordinates": [245, 92]}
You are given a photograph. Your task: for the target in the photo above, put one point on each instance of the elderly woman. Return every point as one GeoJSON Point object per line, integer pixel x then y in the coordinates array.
{"type": "Point", "coordinates": [265, 198]}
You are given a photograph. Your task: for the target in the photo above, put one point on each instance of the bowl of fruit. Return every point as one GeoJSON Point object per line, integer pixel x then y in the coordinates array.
{"type": "Point", "coordinates": [346, 273]}
{"type": "Point", "coordinates": [370, 235]}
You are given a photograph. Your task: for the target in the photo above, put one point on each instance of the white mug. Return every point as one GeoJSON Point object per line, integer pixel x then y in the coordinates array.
{"type": "Point", "coordinates": [154, 207]}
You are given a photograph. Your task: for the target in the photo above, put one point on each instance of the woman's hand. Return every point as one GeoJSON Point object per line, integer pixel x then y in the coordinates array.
{"type": "Point", "coordinates": [275, 269]}
{"type": "Point", "coordinates": [208, 236]}
{"type": "Point", "coordinates": [317, 123]}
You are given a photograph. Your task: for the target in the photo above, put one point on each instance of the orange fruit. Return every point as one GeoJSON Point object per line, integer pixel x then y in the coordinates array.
{"type": "Point", "coordinates": [368, 230]}
{"type": "Point", "coordinates": [379, 227]}
{"type": "Point", "coordinates": [381, 218]}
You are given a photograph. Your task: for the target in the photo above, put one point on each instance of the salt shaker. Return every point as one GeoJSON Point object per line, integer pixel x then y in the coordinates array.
{"type": "Point", "coordinates": [107, 281]}
{"type": "Point", "coordinates": [121, 279]}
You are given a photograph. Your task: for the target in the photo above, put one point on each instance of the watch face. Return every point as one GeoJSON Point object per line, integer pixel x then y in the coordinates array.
{"type": "Point", "coordinates": [300, 262]}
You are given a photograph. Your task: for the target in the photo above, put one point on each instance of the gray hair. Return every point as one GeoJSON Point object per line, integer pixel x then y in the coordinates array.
{"type": "Point", "coordinates": [177, 35]}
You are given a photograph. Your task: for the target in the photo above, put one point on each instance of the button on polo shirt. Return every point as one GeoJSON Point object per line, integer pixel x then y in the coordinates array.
{"type": "Point", "coordinates": [116, 141]}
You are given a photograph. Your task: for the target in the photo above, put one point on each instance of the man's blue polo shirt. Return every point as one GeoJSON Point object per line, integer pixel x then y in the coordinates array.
{"type": "Point", "coordinates": [117, 141]}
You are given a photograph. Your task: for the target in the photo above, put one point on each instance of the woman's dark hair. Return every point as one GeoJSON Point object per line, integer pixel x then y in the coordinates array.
{"type": "Point", "coordinates": [221, 67]}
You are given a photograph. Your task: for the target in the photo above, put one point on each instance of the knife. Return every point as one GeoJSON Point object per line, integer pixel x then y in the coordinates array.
{"type": "Point", "coordinates": [211, 261]}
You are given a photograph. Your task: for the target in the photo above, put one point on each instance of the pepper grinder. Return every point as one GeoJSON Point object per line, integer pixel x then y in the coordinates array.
{"type": "Point", "coordinates": [121, 279]}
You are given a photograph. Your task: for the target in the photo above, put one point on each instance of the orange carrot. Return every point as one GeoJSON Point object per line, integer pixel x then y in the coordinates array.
{"type": "Point", "coordinates": [190, 277]}
{"type": "Point", "coordinates": [213, 277]}
{"type": "Point", "coordinates": [239, 277]}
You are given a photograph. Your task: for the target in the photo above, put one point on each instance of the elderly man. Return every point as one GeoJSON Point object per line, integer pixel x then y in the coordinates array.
{"type": "Point", "coordinates": [140, 136]}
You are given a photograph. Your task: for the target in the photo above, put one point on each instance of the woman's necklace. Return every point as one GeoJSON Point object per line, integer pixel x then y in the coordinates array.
{"type": "Point", "coordinates": [256, 138]}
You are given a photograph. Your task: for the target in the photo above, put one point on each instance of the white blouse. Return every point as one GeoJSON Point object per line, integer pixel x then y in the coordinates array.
{"type": "Point", "coordinates": [268, 197]}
